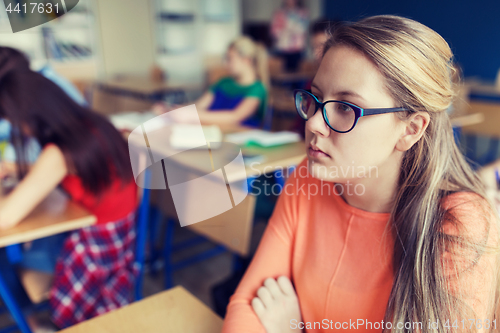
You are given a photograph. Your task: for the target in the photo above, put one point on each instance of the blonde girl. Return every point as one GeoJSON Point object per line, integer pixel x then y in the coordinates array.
{"type": "Point", "coordinates": [241, 97]}
{"type": "Point", "coordinates": [384, 226]}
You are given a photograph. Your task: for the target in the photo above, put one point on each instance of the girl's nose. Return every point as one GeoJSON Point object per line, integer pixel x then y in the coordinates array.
{"type": "Point", "coordinates": [317, 125]}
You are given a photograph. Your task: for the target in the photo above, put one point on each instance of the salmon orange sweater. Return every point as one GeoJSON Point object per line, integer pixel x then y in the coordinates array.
{"type": "Point", "coordinates": [339, 259]}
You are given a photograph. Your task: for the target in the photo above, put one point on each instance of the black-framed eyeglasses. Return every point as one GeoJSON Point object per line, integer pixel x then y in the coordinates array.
{"type": "Point", "coordinates": [339, 116]}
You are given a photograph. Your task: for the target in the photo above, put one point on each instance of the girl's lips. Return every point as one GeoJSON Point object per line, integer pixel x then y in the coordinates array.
{"type": "Point", "coordinates": [314, 151]}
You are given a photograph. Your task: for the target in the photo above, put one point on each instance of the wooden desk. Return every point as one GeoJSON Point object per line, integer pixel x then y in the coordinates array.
{"type": "Point", "coordinates": [485, 92]}
{"type": "Point", "coordinates": [292, 77]}
{"type": "Point", "coordinates": [143, 85]}
{"type": "Point", "coordinates": [467, 119]}
{"type": "Point", "coordinates": [277, 157]}
{"type": "Point", "coordinates": [281, 100]}
{"type": "Point", "coordinates": [174, 310]}
{"type": "Point", "coordinates": [306, 71]}
{"type": "Point", "coordinates": [134, 93]}
{"type": "Point", "coordinates": [56, 214]}
{"type": "Point", "coordinates": [233, 227]}
{"type": "Point", "coordinates": [491, 124]}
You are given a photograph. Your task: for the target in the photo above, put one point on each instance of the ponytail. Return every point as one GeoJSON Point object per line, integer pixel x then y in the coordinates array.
{"type": "Point", "coordinates": [246, 47]}
{"type": "Point", "coordinates": [262, 64]}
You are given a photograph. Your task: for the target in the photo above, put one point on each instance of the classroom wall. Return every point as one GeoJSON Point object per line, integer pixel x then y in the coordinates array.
{"type": "Point", "coordinates": [472, 28]}
{"type": "Point", "coordinates": [126, 36]}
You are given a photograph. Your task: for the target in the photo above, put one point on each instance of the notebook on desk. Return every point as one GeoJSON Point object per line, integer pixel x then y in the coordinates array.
{"type": "Point", "coordinates": [130, 120]}
{"type": "Point", "coordinates": [182, 136]}
{"type": "Point", "coordinates": [263, 138]}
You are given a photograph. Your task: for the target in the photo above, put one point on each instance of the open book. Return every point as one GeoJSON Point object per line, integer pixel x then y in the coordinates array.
{"type": "Point", "coordinates": [130, 120]}
{"type": "Point", "coordinates": [185, 136]}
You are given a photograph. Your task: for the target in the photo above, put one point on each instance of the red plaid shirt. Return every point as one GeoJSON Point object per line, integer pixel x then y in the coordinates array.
{"type": "Point", "coordinates": [95, 272]}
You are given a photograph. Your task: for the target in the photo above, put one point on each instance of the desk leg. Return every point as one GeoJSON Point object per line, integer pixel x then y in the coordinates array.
{"type": "Point", "coordinates": [12, 306]}
{"type": "Point", "coordinates": [142, 228]}
{"type": "Point", "coordinates": [154, 225]}
{"type": "Point", "coordinates": [167, 253]}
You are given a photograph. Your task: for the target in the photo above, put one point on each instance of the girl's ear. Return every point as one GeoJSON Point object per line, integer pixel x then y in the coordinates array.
{"type": "Point", "coordinates": [415, 127]}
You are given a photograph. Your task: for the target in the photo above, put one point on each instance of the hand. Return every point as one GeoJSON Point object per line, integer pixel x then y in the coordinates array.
{"type": "Point", "coordinates": [7, 169]}
{"type": "Point", "coordinates": [185, 117]}
{"type": "Point", "coordinates": [160, 108]}
{"type": "Point", "coordinates": [277, 305]}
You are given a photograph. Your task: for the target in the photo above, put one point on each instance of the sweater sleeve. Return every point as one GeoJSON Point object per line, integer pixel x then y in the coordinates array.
{"type": "Point", "coordinates": [273, 258]}
{"type": "Point", "coordinates": [470, 260]}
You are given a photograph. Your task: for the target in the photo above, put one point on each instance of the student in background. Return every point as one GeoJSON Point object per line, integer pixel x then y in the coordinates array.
{"type": "Point", "coordinates": [289, 30]}
{"type": "Point", "coordinates": [412, 241]}
{"type": "Point", "coordinates": [240, 98]}
{"type": "Point", "coordinates": [88, 158]}
{"type": "Point", "coordinates": [320, 31]}
{"type": "Point", "coordinates": [32, 149]}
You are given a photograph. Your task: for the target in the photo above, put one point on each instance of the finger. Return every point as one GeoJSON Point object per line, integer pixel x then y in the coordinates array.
{"type": "Point", "coordinates": [258, 307]}
{"type": "Point", "coordinates": [286, 286]}
{"type": "Point", "coordinates": [265, 296]}
{"type": "Point", "coordinates": [273, 287]}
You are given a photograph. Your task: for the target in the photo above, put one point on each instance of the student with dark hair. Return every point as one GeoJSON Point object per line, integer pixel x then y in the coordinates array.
{"type": "Point", "coordinates": [319, 32]}
{"type": "Point", "coordinates": [88, 158]}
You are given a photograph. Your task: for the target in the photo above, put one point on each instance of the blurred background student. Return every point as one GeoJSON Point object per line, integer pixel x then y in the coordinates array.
{"type": "Point", "coordinates": [241, 97]}
{"type": "Point", "coordinates": [87, 157]}
{"type": "Point", "coordinates": [31, 146]}
{"type": "Point", "coordinates": [319, 32]}
{"type": "Point", "coordinates": [289, 31]}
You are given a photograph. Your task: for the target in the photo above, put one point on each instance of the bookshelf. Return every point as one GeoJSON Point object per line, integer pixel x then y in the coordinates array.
{"type": "Point", "coordinates": [108, 38]}
{"type": "Point", "coordinates": [66, 43]}
{"type": "Point", "coordinates": [189, 31]}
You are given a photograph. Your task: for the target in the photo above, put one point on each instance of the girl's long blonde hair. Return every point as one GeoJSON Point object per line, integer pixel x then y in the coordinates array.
{"type": "Point", "coordinates": [246, 47]}
{"type": "Point", "coordinates": [417, 65]}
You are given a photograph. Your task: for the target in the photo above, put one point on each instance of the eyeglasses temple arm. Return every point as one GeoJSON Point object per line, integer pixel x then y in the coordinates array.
{"type": "Point", "coordinates": [369, 112]}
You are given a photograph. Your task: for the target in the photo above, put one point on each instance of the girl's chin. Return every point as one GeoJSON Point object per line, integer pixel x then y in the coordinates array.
{"type": "Point", "coordinates": [320, 171]}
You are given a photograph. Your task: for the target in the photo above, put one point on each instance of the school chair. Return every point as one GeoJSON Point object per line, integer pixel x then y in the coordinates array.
{"type": "Point", "coordinates": [267, 121]}
{"type": "Point", "coordinates": [11, 291]}
{"type": "Point", "coordinates": [165, 256]}
{"type": "Point", "coordinates": [169, 247]}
